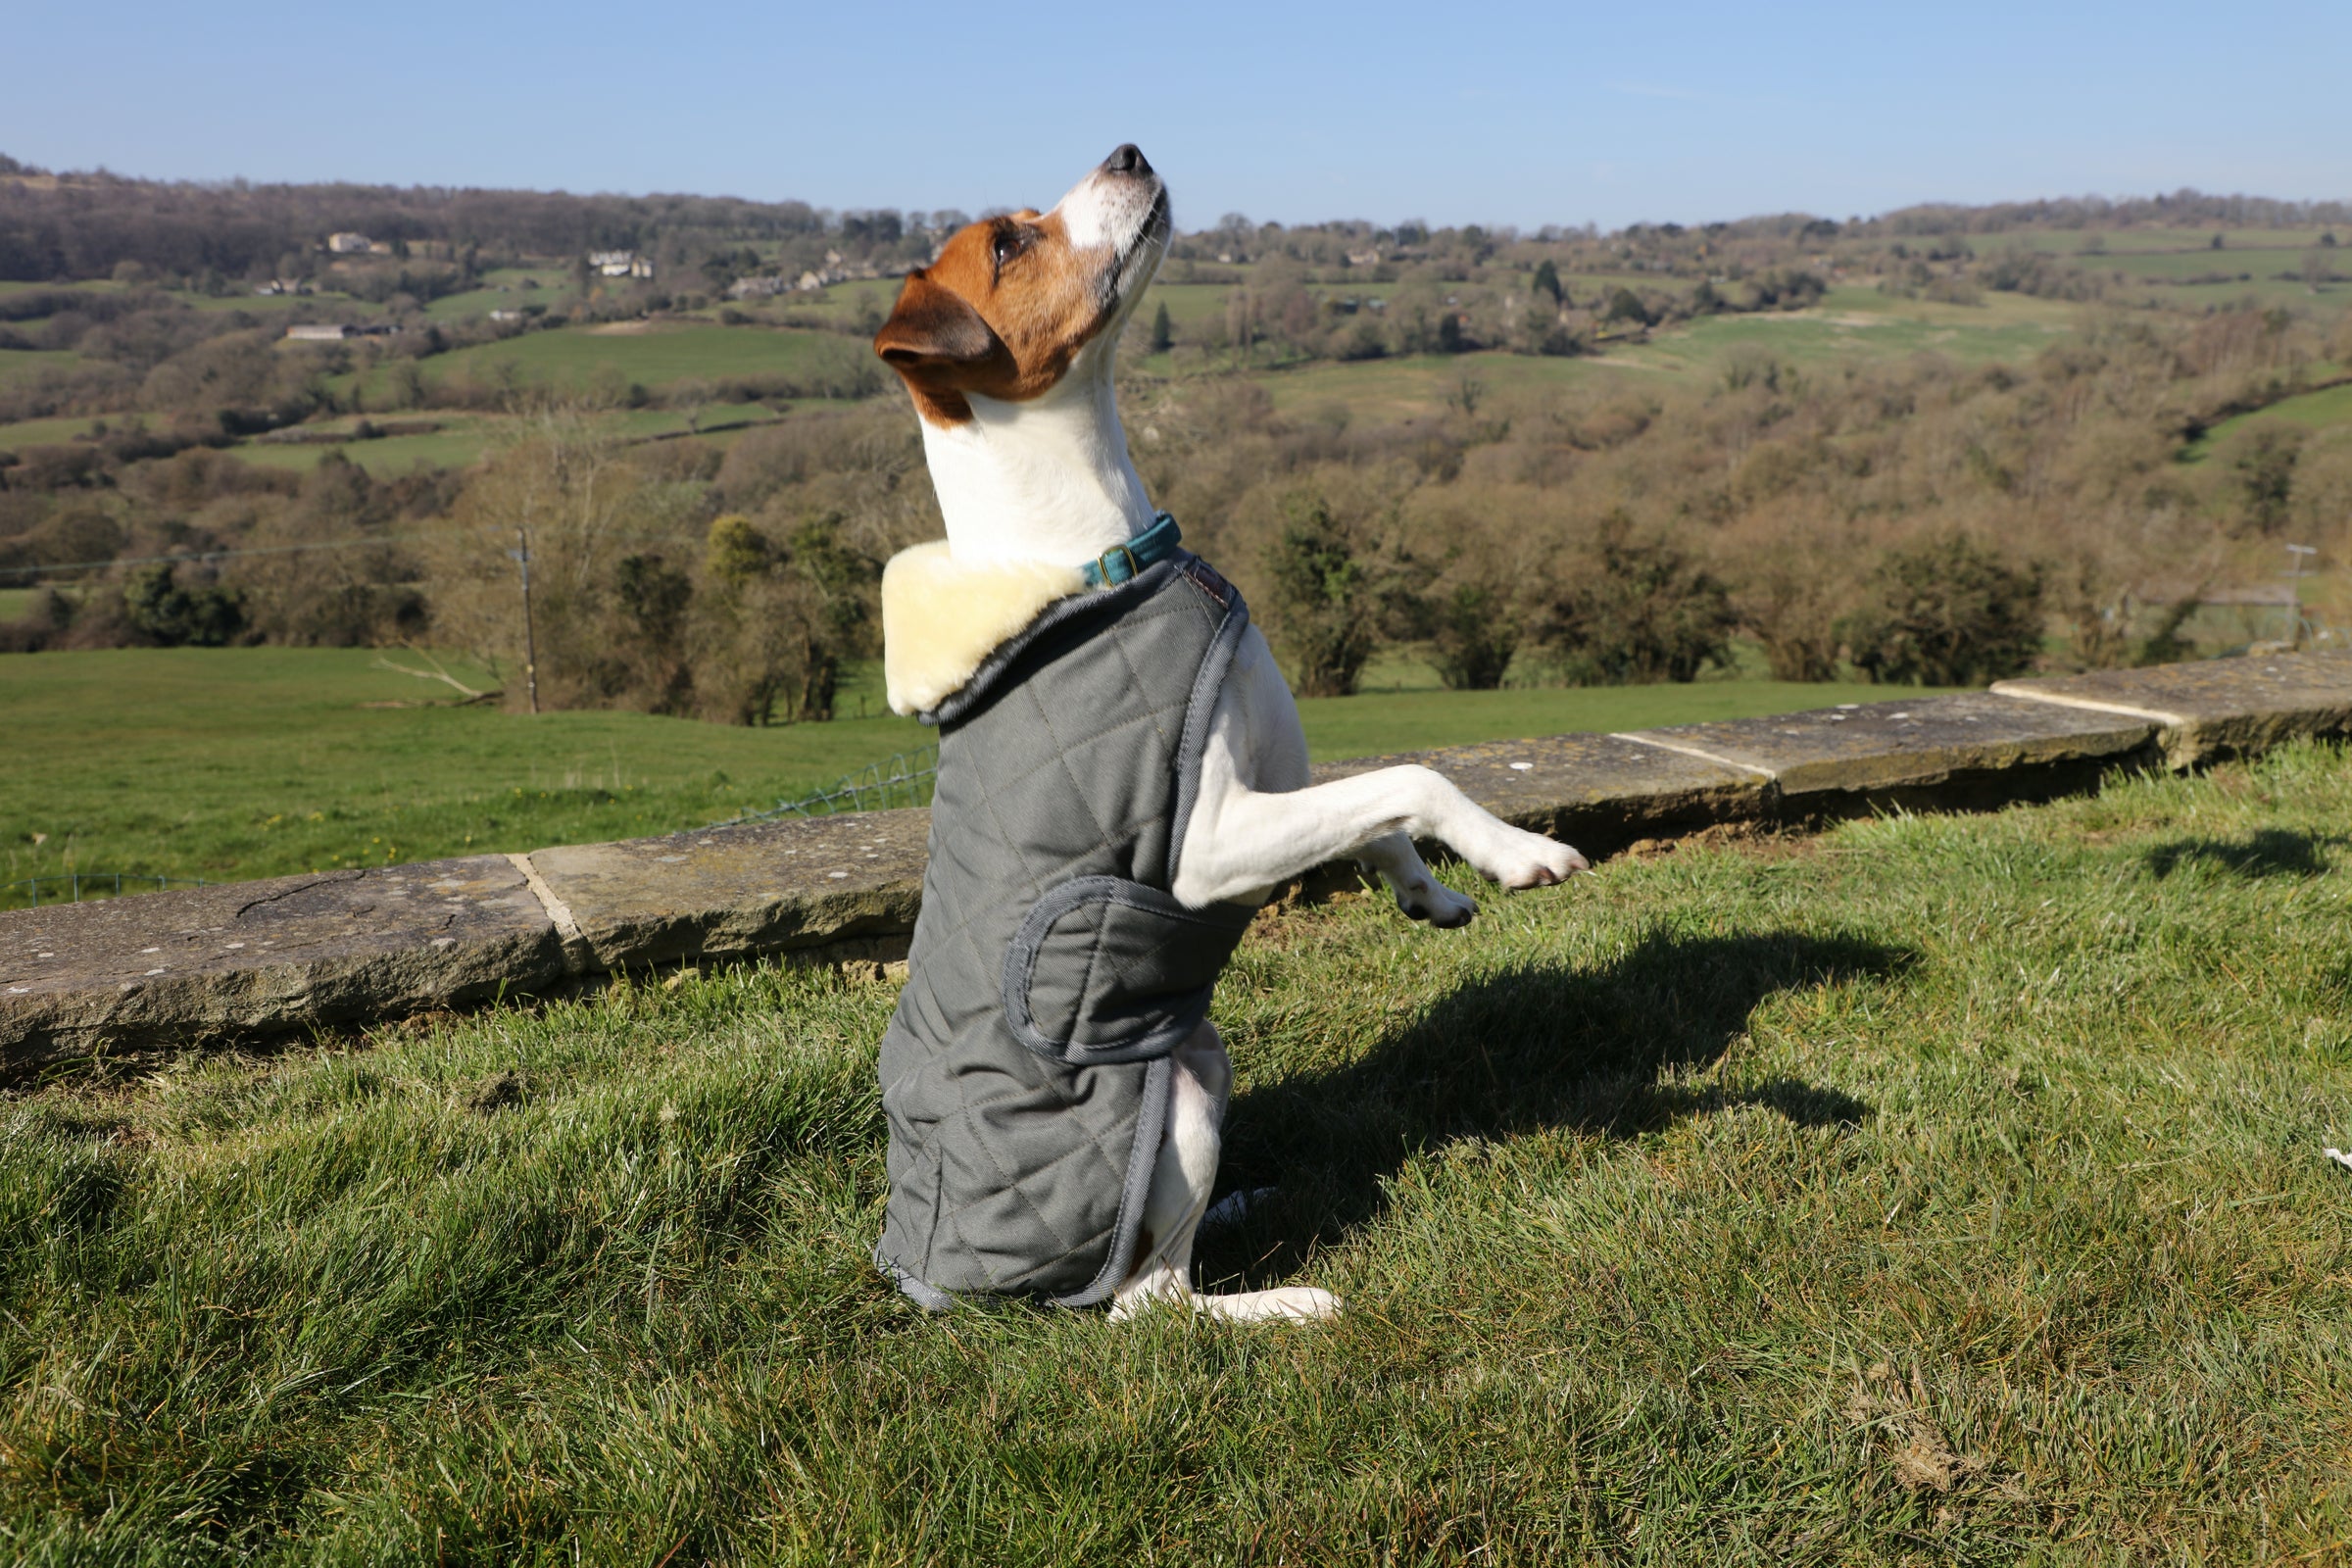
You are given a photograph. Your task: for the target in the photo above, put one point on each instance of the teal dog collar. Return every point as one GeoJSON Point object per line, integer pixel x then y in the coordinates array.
{"type": "Point", "coordinates": [1124, 562]}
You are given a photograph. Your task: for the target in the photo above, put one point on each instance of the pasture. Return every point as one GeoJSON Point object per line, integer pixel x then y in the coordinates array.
{"type": "Point", "coordinates": [227, 763]}
{"type": "Point", "coordinates": [652, 354]}
{"type": "Point", "coordinates": [1850, 323]}
{"type": "Point", "coordinates": [2323, 410]}
{"type": "Point", "coordinates": [1939, 1189]}
{"type": "Point", "coordinates": [463, 437]}
{"type": "Point", "coordinates": [23, 364]}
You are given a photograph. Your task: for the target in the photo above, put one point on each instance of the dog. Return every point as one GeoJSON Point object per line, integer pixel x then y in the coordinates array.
{"type": "Point", "coordinates": [1122, 782]}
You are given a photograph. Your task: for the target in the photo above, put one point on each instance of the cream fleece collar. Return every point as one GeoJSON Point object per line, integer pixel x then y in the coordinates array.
{"type": "Point", "coordinates": [941, 618]}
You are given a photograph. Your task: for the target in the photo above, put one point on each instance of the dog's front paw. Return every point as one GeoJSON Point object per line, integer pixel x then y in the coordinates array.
{"type": "Point", "coordinates": [1532, 861]}
{"type": "Point", "coordinates": [1437, 903]}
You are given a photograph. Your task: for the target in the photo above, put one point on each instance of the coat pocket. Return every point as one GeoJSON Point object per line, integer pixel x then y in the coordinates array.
{"type": "Point", "coordinates": [1103, 970]}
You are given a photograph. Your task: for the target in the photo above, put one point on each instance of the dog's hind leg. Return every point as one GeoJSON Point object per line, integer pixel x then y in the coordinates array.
{"type": "Point", "coordinates": [1181, 1180]}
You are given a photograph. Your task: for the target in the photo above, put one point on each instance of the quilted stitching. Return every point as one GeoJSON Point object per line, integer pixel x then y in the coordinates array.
{"type": "Point", "coordinates": [1065, 768]}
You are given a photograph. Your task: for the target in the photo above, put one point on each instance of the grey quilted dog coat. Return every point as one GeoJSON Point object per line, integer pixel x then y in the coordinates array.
{"type": "Point", "coordinates": [1025, 1074]}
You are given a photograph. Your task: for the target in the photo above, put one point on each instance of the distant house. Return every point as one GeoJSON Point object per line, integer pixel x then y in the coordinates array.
{"type": "Point", "coordinates": [504, 313]}
{"type": "Point", "coordinates": [337, 332]}
{"type": "Point", "coordinates": [757, 288]}
{"type": "Point", "coordinates": [1364, 258]}
{"type": "Point", "coordinates": [348, 244]}
{"type": "Point", "coordinates": [620, 263]}
{"type": "Point", "coordinates": [284, 285]}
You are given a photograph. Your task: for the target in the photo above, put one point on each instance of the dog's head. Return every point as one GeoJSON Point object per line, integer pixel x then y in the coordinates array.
{"type": "Point", "coordinates": [1014, 303]}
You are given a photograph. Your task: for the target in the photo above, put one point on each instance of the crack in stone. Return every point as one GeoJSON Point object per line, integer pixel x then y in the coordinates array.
{"type": "Point", "coordinates": [319, 882]}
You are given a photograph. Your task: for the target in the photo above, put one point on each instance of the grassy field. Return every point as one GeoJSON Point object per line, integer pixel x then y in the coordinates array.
{"type": "Point", "coordinates": [2146, 241]}
{"type": "Point", "coordinates": [655, 357]}
{"type": "Point", "coordinates": [2314, 410]}
{"type": "Point", "coordinates": [1864, 323]}
{"type": "Point", "coordinates": [463, 437]}
{"type": "Point", "coordinates": [1849, 323]}
{"type": "Point", "coordinates": [25, 364]}
{"type": "Point", "coordinates": [1939, 1190]}
{"type": "Point", "coordinates": [238, 762]}
{"type": "Point", "coordinates": [256, 761]}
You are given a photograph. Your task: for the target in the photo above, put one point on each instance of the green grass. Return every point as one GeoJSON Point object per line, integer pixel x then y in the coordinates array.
{"type": "Point", "coordinates": [14, 602]}
{"type": "Point", "coordinates": [54, 431]}
{"type": "Point", "coordinates": [1850, 323]}
{"type": "Point", "coordinates": [23, 364]}
{"type": "Point", "coordinates": [460, 442]}
{"type": "Point", "coordinates": [2142, 241]}
{"type": "Point", "coordinates": [464, 437]}
{"type": "Point", "coordinates": [242, 762]}
{"type": "Point", "coordinates": [576, 357]}
{"type": "Point", "coordinates": [2323, 410]}
{"type": "Point", "coordinates": [1941, 1190]}
{"type": "Point", "coordinates": [503, 289]}
{"type": "Point", "coordinates": [1859, 322]}
{"type": "Point", "coordinates": [227, 763]}
{"type": "Point", "coordinates": [1376, 723]}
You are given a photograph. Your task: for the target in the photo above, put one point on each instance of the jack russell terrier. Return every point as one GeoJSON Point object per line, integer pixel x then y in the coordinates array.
{"type": "Point", "coordinates": [1122, 782]}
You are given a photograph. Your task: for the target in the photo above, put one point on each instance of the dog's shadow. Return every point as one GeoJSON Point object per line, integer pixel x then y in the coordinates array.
{"type": "Point", "coordinates": [1544, 1047]}
{"type": "Point", "coordinates": [2268, 851]}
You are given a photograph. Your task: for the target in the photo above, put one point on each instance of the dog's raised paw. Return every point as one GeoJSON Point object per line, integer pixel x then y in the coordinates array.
{"type": "Point", "coordinates": [1536, 861]}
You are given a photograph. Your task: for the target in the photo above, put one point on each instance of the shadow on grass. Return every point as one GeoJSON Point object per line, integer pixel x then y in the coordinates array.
{"type": "Point", "coordinates": [2268, 851]}
{"type": "Point", "coordinates": [1526, 1050]}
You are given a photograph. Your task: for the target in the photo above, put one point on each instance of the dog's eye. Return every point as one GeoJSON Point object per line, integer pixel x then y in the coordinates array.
{"type": "Point", "coordinates": [1011, 243]}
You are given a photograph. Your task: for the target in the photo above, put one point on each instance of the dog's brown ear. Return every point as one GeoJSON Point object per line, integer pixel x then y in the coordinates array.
{"type": "Point", "coordinates": [933, 329]}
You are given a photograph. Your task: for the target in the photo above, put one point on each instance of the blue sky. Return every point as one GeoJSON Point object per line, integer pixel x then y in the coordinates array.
{"type": "Point", "coordinates": [1499, 113]}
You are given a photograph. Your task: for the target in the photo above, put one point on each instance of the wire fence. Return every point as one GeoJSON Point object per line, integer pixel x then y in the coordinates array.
{"type": "Point", "coordinates": [903, 778]}
{"type": "Point", "coordinates": [76, 887]}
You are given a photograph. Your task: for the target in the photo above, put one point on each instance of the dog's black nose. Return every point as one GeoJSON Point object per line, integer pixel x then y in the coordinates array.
{"type": "Point", "coordinates": [1127, 159]}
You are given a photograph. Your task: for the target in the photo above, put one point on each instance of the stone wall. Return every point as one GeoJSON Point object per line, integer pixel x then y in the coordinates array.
{"type": "Point", "coordinates": [255, 959]}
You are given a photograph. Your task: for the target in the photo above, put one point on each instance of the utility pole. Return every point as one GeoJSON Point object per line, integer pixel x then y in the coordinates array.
{"type": "Point", "coordinates": [2297, 555]}
{"type": "Point", "coordinates": [521, 556]}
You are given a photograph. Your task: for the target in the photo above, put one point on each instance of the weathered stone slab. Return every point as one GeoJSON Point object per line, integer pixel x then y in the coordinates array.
{"type": "Point", "coordinates": [734, 891]}
{"type": "Point", "coordinates": [262, 958]}
{"type": "Point", "coordinates": [1961, 751]}
{"type": "Point", "coordinates": [1596, 792]}
{"type": "Point", "coordinates": [2219, 707]}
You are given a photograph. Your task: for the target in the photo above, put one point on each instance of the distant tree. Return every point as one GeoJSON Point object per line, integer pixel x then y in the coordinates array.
{"type": "Point", "coordinates": [1642, 613]}
{"type": "Point", "coordinates": [2217, 242]}
{"type": "Point", "coordinates": [1626, 305]}
{"type": "Point", "coordinates": [1164, 336]}
{"type": "Point", "coordinates": [165, 611]}
{"type": "Point", "coordinates": [1946, 612]}
{"type": "Point", "coordinates": [2262, 460]}
{"type": "Point", "coordinates": [1473, 632]}
{"type": "Point", "coordinates": [1323, 605]}
{"type": "Point", "coordinates": [1547, 283]}
{"type": "Point", "coordinates": [1450, 334]}
{"type": "Point", "coordinates": [837, 585]}
{"type": "Point", "coordinates": [653, 597]}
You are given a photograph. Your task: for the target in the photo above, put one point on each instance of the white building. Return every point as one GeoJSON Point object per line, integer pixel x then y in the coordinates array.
{"type": "Point", "coordinates": [348, 244]}
{"type": "Point", "coordinates": [620, 263]}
